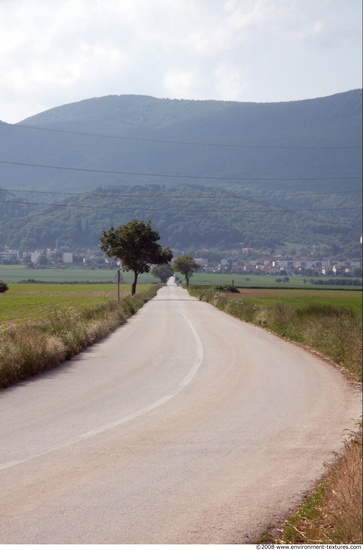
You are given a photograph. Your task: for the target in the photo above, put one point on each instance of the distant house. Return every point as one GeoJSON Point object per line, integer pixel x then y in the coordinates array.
{"type": "Point", "coordinates": [67, 257]}
{"type": "Point", "coordinates": [9, 255]}
{"type": "Point", "coordinates": [201, 262]}
{"type": "Point", "coordinates": [34, 256]}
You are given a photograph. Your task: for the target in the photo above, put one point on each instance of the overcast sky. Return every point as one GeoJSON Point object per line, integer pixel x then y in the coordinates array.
{"type": "Point", "coordinates": [61, 51]}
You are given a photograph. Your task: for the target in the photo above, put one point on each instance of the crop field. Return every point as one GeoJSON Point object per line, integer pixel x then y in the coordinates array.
{"type": "Point", "coordinates": [24, 303]}
{"type": "Point", "coordinates": [269, 281]}
{"type": "Point", "coordinates": [300, 298]}
{"type": "Point", "coordinates": [19, 273]}
{"type": "Point", "coordinates": [28, 302]}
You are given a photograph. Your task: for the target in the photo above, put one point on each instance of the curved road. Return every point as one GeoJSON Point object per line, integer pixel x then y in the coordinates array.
{"type": "Point", "coordinates": [184, 426]}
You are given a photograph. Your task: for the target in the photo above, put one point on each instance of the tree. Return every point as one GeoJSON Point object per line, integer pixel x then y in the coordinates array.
{"type": "Point", "coordinates": [135, 244]}
{"type": "Point", "coordinates": [162, 272]}
{"type": "Point", "coordinates": [186, 266]}
{"type": "Point", "coordinates": [42, 260]}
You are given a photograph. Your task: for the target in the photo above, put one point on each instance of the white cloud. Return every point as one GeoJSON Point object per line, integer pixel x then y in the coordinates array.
{"type": "Point", "coordinates": [179, 83]}
{"type": "Point", "coordinates": [57, 52]}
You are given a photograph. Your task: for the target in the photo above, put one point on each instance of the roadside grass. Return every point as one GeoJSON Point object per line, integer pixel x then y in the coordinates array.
{"type": "Point", "coordinates": [59, 326]}
{"type": "Point", "coordinates": [332, 514]}
{"type": "Point", "coordinates": [333, 331]}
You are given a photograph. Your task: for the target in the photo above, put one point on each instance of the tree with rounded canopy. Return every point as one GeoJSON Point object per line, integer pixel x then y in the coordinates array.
{"type": "Point", "coordinates": [186, 266]}
{"type": "Point", "coordinates": [162, 272]}
{"type": "Point", "coordinates": [136, 245]}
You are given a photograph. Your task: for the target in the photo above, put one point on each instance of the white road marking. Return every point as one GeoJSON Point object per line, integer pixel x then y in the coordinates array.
{"type": "Point", "coordinates": [182, 385]}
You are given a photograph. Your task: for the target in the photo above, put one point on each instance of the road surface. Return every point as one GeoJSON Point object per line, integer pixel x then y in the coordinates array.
{"type": "Point", "coordinates": [184, 426]}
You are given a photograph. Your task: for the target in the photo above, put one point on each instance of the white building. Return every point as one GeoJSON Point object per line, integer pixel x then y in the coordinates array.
{"type": "Point", "coordinates": [34, 256]}
{"type": "Point", "coordinates": [9, 255]}
{"type": "Point", "coordinates": [67, 257]}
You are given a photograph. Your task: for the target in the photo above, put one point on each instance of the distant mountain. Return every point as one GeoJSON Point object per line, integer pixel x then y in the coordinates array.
{"type": "Point", "coordinates": [302, 157]}
{"type": "Point", "coordinates": [316, 138]}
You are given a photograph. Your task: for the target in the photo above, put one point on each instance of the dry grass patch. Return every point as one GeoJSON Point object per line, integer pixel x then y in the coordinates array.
{"type": "Point", "coordinates": [29, 349]}
{"type": "Point", "coordinates": [333, 513]}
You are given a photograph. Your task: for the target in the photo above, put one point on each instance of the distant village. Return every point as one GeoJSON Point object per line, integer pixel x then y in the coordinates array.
{"type": "Point", "coordinates": [262, 262]}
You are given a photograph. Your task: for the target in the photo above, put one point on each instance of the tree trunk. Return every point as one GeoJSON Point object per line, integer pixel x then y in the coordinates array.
{"type": "Point", "coordinates": [133, 287]}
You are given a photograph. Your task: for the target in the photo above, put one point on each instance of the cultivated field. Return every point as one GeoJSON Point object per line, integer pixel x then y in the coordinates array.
{"type": "Point", "coordinates": [20, 273]}
{"type": "Point", "coordinates": [33, 302]}
{"type": "Point", "coordinates": [265, 281]}
{"type": "Point", "coordinates": [299, 298]}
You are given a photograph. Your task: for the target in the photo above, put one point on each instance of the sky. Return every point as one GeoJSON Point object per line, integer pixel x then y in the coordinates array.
{"type": "Point", "coordinates": [62, 51]}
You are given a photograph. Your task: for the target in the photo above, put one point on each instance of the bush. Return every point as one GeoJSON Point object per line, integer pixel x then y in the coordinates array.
{"type": "Point", "coordinates": [227, 288]}
{"type": "Point", "coordinates": [3, 286]}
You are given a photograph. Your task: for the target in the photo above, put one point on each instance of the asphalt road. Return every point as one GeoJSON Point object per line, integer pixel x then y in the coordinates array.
{"type": "Point", "coordinates": [184, 426]}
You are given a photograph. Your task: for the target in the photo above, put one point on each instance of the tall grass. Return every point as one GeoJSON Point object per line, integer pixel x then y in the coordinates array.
{"type": "Point", "coordinates": [28, 350]}
{"type": "Point", "coordinates": [334, 332]}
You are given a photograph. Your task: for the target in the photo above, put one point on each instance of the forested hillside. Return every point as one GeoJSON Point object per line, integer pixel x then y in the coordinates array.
{"type": "Point", "coordinates": [193, 216]}
{"type": "Point", "coordinates": [207, 173]}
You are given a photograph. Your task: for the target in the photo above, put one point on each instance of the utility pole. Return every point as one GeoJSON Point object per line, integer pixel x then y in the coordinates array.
{"type": "Point", "coordinates": [118, 283]}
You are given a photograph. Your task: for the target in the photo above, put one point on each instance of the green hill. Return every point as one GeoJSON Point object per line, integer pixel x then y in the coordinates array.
{"type": "Point", "coordinates": [205, 172]}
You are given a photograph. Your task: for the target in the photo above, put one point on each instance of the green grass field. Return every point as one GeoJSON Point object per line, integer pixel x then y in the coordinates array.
{"type": "Point", "coordinates": [304, 297]}
{"type": "Point", "coordinates": [17, 273]}
{"type": "Point", "coordinates": [266, 281]}
{"type": "Point", "coordinates": [24, 303]}
{"type": "Point", "coordinates": [20, 273]}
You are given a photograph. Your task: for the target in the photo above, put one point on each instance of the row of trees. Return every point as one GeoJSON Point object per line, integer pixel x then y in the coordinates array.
{"type": "Point", "coordinates": [136, 245]}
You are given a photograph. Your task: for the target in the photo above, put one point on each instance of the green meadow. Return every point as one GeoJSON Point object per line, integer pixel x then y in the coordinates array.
{"type": "Point", "coordinates": [264, 281]}
{"type": "Point", "coordinates": [300, 298]}
{"type": "Point", "coordinates": [24, 303]}
{"type": "Point", "coordinates": [20, 273]}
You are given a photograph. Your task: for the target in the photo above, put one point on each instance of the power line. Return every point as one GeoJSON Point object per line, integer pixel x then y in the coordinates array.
{"type": "Point", "coordinates": [91, 193]}
{"type": "Point", "coordinates": [179, 176]}
{"type": "Point", "coordinates": [197, 211]}
{"type": "Point", "coordinates": [175, 142]}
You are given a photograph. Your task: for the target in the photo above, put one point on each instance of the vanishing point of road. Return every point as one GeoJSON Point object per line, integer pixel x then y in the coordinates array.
{"type": "Point", "coordinates": [184, 426]}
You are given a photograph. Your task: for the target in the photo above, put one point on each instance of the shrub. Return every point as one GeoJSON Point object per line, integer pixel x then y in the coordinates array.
{"type": "Point", "coordinates": [227, 288]}
{"type": "Point", "coordinates": [3, 286]}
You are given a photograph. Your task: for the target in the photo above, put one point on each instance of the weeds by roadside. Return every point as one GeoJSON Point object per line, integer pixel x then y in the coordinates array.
{"type": "Point", "coordinates": [334, 332]}
{"type": "Point", "coordinates": [333, 512]}
{"type": "Point", "coordinates": [31, 349]}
